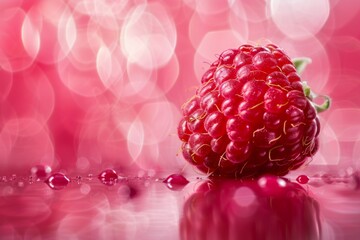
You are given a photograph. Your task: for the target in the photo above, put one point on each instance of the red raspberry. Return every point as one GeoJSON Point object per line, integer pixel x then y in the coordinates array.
{"type": "Point", "coordinates": [251, 115]}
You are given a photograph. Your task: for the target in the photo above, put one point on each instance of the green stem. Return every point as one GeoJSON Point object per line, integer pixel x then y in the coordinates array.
{"type": "Point", "coordinates": [300, 63]}
{"type": "Point", "coordinates": [311, 96]}
{"type": "Point", "coordinates": [324, 106]}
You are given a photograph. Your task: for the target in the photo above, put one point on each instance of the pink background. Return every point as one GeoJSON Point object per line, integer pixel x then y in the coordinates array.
{"type": "Point", "coordinates": [88, 84]}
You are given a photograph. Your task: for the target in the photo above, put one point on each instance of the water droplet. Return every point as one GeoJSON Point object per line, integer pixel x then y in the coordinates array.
{"type": "Point", "coordinates": [40, 172]}
{"type": "Point", "coordinates": [176, 181]}
{"type": "Point", "coordinates": [108, 177]}
{"type": "Point", "coordinates": [302, 179]}
{"type": "Point", "coordinates": [57, 181]}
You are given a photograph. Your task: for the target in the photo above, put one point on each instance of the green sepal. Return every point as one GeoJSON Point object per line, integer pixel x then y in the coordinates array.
{"type": "Point", "coordinates": [301, 63]}
{"type": "Point", "coordinates": [311, 96]}
{"type": "Point", "coordinates": [324, 106]}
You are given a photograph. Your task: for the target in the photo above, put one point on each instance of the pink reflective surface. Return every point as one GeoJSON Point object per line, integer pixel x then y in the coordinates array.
{"type": "Point", "coordinates": [145, 208]}
{"type": "Point", "coordinates": [91, 85]}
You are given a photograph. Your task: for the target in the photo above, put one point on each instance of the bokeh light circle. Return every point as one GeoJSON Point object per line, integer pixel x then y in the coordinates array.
{"type": "Point", "coordinates": [5, 84]}
{"type": "Point", "coordinates": [148, 37]}
{"type": "Point", "coordinates": [252, 11]}
{"type": "Point", "coordinates": [15, 27]}
{"type": "Point", "coordinates": [345, 123]}
{"type": "Point", "coordinates": [314, 49]}
{"type": "Point", "coordinates": [32, 96]}
{"type": "Point", "coordinates": [91, 74]}
{"type": "Point", "coordinates": [329, 149]}
{"type": "Point", "coordinates": [210, 47]}
{"type": "Point", "coordinates": [299, 19]}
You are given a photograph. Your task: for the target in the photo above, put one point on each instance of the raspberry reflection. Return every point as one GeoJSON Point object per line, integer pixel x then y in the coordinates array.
{"type": "Point", "coordinates": [228, 209]}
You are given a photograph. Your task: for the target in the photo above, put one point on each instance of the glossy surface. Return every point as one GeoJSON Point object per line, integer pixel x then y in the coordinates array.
{"type": "Point", "coordinates": [145, 208]}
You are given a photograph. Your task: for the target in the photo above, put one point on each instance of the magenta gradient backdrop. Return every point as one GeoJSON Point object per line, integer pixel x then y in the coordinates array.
{"type": "Point", "coordinates": [88, 84]}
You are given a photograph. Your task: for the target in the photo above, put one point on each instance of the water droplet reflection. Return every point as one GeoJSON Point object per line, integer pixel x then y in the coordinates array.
{"type": "Point", "coordinates": [40, 172]}
{"type": "Point", "coordinates": [302, 179]}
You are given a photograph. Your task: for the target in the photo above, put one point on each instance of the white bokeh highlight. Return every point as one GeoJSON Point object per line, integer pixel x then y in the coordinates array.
{"type": "Point", "coordinates": [149, 36]}
{"type": "Point", "coordinates": [30, 37]}
{"type": "Point", "coordinates": [67, 32]}
{"type": "Point", "coordinates": [213, 44]}
{"type": "Point", "coordinates": [135, 139]}
{"type": "Point", "coordinates": [299, 19]}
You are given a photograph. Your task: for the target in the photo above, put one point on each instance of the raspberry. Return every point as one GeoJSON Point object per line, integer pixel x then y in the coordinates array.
{"type": "Point", "coordinates": [252, 115]}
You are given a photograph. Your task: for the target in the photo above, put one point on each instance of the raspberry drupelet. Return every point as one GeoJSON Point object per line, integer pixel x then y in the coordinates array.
{"type": "Point", "coordinates": [252, 115]}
